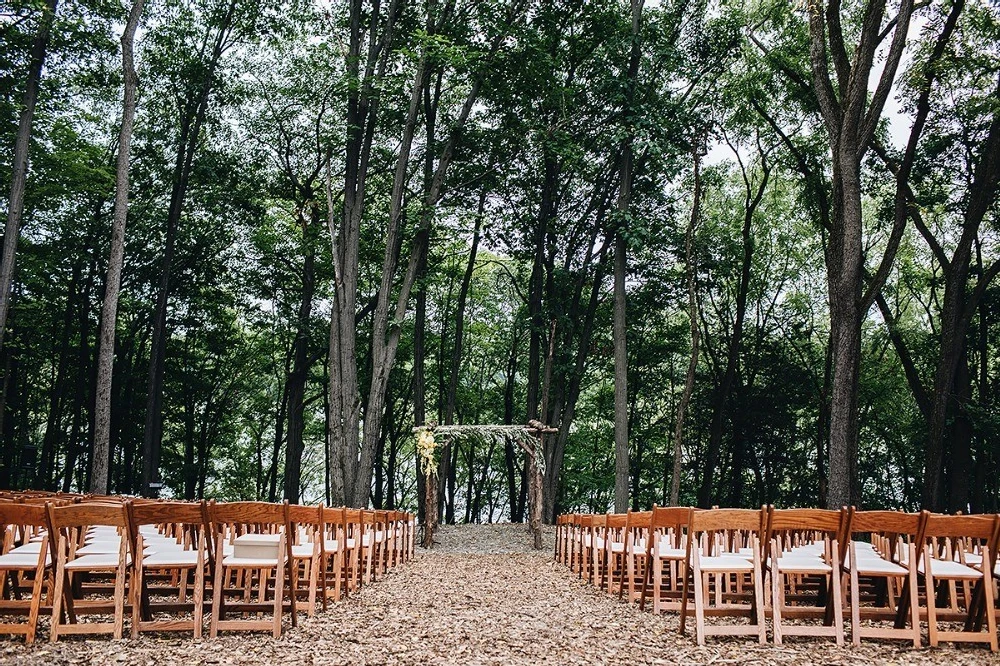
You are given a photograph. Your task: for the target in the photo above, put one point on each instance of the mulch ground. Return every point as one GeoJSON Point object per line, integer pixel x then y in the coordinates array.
{"type": "Point", "coordinates": [480, 597]}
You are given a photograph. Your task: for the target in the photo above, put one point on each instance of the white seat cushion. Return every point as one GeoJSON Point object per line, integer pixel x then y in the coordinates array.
{"type": "Point", "coordinates": [100, 548]}
{"type": "Point", "coordinates": [254, 562]}
{"type": "Point", "coordinates": [949, 569]}
{"type": "Point", "coordinates": [331, 545]}
{"type": "Point", "coordinates": [792, 564]}
{"type": "Point", "coordinates": [179, 558]}
{"type": "Point", "coordinates": [303, 551]}
{"type": "Point", "coordinates": [21, 560]}
{"type": "Point", "coordinates": [728, 562]}
{"type": "Point", "coordinates": [667, 552]}
{"type": "Point", "coordinates": [97, 561]}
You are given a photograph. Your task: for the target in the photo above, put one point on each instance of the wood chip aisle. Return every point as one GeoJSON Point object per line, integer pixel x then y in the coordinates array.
{"type": "Point", "coordinates": [481, 597]}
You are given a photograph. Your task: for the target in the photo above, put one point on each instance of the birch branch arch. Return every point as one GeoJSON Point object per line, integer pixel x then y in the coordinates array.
{"type": "Point", "coordinates": [530, 438]}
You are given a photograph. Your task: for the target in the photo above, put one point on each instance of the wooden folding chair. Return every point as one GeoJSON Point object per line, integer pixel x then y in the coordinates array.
{"type": "Point", "coordinates": [613, 555]}
{"type": "Point", "coordinates": [172, 538]}
{"type": "Point", "coordinates": [636, 532]}
{"type": "Point", "coordinates": [941, 564]}
{"type": "Point", "coordinates": [332, 549]}
{"type": "Point", "coordinates": [25, 551]}
{"type": "Point", "coordinates": [666, 553]}
{"type": "Point", "coordinates": [805, 566]}
{"type": "Point", "coordinates": [251, 542]}
{"type": "Point", "coordinates": [306, 530]}
{"type": "Point", "coordinates": [721, 570]}
{"type": "Point", "coordinates": [91, 539]}
{"type": "Point", "coordinates": [354, 548]}
{"type": "Point", "coordinates": [887, 560]}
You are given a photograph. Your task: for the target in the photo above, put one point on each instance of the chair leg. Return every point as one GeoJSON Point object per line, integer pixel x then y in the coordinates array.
{"type": "Point", "coordinates": [914, 596]}
{"type": "Point", "coordinates": [136, 595]}
{"type": "Point", "coordinates": [991, 619]}
{"type": "Point", "coordinates": [218, 582]}
{"type": "Point", "coordinates": [57, 596]}
{"type": "Point", "coordinates": [777, 599]}
{"type": "Point", "coordinates": [855, 603]}
{"type": "Point", "coordinates": [279, 590]}
{"type": "Point", "coordinates": [932, 628]}
{"type": "Point", "coordinates": [838, 600]}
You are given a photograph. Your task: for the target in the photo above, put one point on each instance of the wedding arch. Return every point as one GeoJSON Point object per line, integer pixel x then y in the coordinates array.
{"type": "Point", "coordinates": [531, 439]}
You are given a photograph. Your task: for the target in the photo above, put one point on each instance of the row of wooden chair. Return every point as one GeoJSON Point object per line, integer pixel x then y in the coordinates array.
{"type": "Point", "coordinates": [166, 563]}
{"type": "Point", "coordinates": [891, 570]}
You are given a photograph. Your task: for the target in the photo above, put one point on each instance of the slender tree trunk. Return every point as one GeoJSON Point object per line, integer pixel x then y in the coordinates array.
{"type": "Point", "coordinates": [621, 267]}
{"type": "Point", "coordinates": [691, 269]}
{"type": "Point", "coordinates": [851, 114]}
{"type": "Point", "coordinates": [19, 164]}
{"type": "Point", "coordinates": [112, 284]}
{"type": "Point", "coordinates": [752, 199]}
{"type": "Point", "coordinates": [301, 362]}
{"type": "Point", "coordinates": [192, 119]}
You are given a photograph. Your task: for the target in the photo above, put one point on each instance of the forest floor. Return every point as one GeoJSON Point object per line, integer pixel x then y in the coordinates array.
{"type": "Point", "coordinates": [481, 596]}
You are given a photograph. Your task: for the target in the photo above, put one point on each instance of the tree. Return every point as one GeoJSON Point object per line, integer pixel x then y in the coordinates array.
{"type": "Point", "coordinates": [15, 204]}
{"type": "Point", "coordinates": [109, 312]}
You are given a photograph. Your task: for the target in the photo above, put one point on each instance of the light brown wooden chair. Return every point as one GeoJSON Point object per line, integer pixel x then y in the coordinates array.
{"type": "Point", "coordinates": [172, 538]}
{"type": "Point", "coordinates": [716, 568]}
{"type": "Point", "coordinates": [333, 546]}
{"type": "Point", "coordinates": [91, 539]}
{"type": "Point", "coordinates": [941, 564]}
{"type": "Point", "coordinates": [887, 560]}
{"type": "Point", "coordinates": [306, 530]}
{"type": "Point", "coordinates": [805, 567]}
{"type": "Point", "coordinates": [25, 551]}
{"type": "Point", "coordinates": [252, 546]}
{"type": "Point", "coordinates": [613, 555]}
{"type": "Point", "coordinates": [636, 533]}
{"type": "Point", "coordinates": [666, 557]}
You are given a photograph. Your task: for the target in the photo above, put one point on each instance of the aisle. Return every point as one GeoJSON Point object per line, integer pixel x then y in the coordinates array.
{"type": "Point", "coordinates": [481, 597]}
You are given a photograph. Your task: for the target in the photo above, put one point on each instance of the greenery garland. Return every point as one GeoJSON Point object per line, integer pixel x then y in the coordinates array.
{"type": "Point", "coordinates": [478, 434]}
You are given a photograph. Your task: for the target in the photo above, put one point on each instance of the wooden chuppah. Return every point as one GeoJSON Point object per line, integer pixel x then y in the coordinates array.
{"type": "Point", "coordinates": [530, 437]}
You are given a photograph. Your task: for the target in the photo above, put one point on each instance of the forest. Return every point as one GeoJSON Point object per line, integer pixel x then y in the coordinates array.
{"type": "Point", "coordinates": [736, 252]}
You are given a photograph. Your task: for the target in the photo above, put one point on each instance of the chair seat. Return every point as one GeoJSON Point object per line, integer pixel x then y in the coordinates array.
{"type": "Point", "coordinates": [802, 564]}
{"type": "Point", "coordinates": [668, 553]}
{"type": "Point", "coordinates": [27, 549]}
{"type": "Point", "coordinates": [96, 561]}
{"type": "Point", "coordinates": [617, 547]}
{"type": "Point", "coordinates": [949, 569]}
{"type": "Point", "coordinates": [870, 565]}
{"type": "Point", "coordinates": [727, 562]}
{"type": "Point", "coordinates": [249, 562]}
{"type": "Point", "coordinates": [331, 545]}
{"type": "Point", "coordinates": [21, 561]}
{"type": "Point", "coordinates": [180, 558]}
{"type": "Point", "coordinates": [100, 548]}
{"type": "Point", "coordinates": [303, 551]}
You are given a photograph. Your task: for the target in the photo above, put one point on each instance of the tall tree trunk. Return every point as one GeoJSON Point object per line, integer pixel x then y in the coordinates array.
{"type": "Point", "coordinates": [362, 111]}
{"type": "Point", "coordinates": [851, 114]}
{"type": "Point", "coordinates": [19, 165]}
{"type": "Point", "coordinates": [691, 269]}
{"type": "Point", "coordinates": [192, 119]}
{"type": "Point", "coordinates": [112, 283]}
{"type": "Point", "coordinates": [752, 199]}
{"type": "Point", "coordinates": [621, 267]}
{"type": "Point", "coordinates": [297, 379]}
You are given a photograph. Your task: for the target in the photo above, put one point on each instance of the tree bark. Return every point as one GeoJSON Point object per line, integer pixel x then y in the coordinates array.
{"type": "Point", "coordinates": [691, 269]}
{"type": "Point", "coordinates": [752, 199]}
{"type": "Point", "coordinates": [19, 165]}
{"type": "Point", "coordinates": [621, 267]}
{"type": "Point", "coordinates": [192, 119]}
{"type": "Point", "coordinates": [851, 114]}
{"type": "Point", "coordinates": [301, 359]}
{"type": "Point", "coordinates": [113, 281]}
